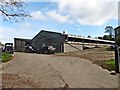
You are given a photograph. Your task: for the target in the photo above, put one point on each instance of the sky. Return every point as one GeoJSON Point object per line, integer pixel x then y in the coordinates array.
{"type": "Point", "coordinates": [77, 17]}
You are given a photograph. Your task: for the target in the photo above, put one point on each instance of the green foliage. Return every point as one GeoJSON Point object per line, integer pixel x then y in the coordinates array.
{"type": "Point", "coordinates": [100, 37]}
{"type": "Point", "coordinates": [110, 30]}
{"type": "Point", "coordinates": [89, 36]}
{"type": "Point", "coordinates": [110, 64]}
{"type": "Point", "coordinates": [5, 57]}
{"type": "Point", "coordinates": [106, 37]}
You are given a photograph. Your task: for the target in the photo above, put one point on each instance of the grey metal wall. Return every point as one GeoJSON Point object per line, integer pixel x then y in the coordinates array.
{"type": "Point", "coordinates": [117, 35]}
{"type": "Point", "coordinates": [49, 38]}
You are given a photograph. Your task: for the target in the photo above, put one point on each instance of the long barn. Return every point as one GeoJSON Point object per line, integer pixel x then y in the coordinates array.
{"type": "Point", "coordinates": [61, 41]}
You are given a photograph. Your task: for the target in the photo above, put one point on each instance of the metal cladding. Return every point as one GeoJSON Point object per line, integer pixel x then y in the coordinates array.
{"type": "Point", "coordinates": [49, 38]}
{"type": "Point", "coordinates": [117, 35]}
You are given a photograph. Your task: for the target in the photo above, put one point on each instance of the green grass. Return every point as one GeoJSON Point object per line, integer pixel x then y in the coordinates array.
{"type": "Point", "coordinates": [5, 57]}
{"type": "Point", "coordinates": [110, 64]}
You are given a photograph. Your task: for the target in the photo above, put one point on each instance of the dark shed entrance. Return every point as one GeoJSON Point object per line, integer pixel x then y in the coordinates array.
{"type": "Point", "coordinates": [19, 44]}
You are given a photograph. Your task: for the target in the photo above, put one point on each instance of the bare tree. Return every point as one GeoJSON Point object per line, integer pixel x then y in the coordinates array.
{"type": "Point", "coordinates": [13, 10]}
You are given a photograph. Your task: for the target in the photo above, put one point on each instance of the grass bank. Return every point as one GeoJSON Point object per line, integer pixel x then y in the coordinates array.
{"type": "Point", "coordinates": [110, 64]}
{"type": "Point", "coordinates": [106, 64]}
{"type": "Point", "coordinates": [100, 56]}
{"type": "Point", "coordinates": [5, 57]}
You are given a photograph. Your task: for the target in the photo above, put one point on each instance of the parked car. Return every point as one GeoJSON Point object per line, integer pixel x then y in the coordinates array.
{"type": "Point", "coordinates": [29, 49]}
{"type": "Point", "coordinates": [51, 49]}
{"type": "Point", "coordinates": [8, 48]}
{"type": "Point", "coordinates": [46, 50]}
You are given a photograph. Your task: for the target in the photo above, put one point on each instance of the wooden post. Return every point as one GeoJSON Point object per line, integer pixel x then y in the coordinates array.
{"type": "Point", "coordinates": [117, 45]}
{"type": "Point", "coordinates": [116, 59]}
{"type": "Point", "coordinates": [83, 44]}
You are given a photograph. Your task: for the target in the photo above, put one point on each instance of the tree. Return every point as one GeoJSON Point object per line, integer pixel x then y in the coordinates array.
{"type": "Point", "coordinates": [13, 10]}
{"type": "Point", "coordinates": [96, 37]}
{"type": "Point", "coordinates": [106, 37]}
{"type": "Point", "coordinates": [89, 36]}
{"type": "Point", "coordinates": [110, 30]}
{"type": "Point", "coordinates": [100, 37]}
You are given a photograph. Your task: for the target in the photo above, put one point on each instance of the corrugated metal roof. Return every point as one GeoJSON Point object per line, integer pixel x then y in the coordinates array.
{"type": "Point", "coordinates": [48, 32]}
{"type": "Point", "coordinates": [74, 36]}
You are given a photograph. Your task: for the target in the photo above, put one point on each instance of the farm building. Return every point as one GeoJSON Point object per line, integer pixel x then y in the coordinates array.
{"type": "Point", "coordinates": [117, 35]}
{"type": "Point", "coordinates": [49, 38]}
{"type": "Point", "coordinates": [19, 44]}
{"type": "Point", "coordinates": [61, 41]}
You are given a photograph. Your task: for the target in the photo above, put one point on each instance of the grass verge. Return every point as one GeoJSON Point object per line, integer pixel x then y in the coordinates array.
{"type": "Point", "coordinates": [100, 56]}
{"type": "Point", "coordinates": [110, 64]}
{"type": "Point", "coordinates": [106, 64]}
{"type": "Point", "coordinates": [5, 57]}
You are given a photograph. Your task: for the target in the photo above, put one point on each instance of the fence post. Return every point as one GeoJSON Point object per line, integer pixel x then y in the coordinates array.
{"type": "Point", "coordinates": [116, 59]}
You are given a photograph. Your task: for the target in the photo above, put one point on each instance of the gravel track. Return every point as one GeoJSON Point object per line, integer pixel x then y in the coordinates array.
{"type": "Point", "coordinates": [50, 71]}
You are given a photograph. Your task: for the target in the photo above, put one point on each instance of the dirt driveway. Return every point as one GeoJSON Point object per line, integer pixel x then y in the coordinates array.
{"type": "Point", "coordinates": [48, 71]}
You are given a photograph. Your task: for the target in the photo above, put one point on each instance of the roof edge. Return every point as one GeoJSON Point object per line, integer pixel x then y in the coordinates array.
{"type": "Point", "coordinates": [22, 39]}
{"type": "Point", "coordinates": [46, 31]}
{"type": "Point", "coordinates": [117, 27]}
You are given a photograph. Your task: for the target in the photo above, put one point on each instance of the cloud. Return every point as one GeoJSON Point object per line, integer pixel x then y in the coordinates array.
{"type": "Point", "coordinates": [83, 12]}
{"type": "Point", "coordinates": [56, 16]}
{"type": "Point", "coordinates": [38, 15]}
{"type": "Point", "coordinates": [50, 15]}
{"type": "Point", "coordinates": [89, 12]}
{"type": "Point", "coordinates": [7, 34]}
{"type": "Point", "coordinates": [26, 26]}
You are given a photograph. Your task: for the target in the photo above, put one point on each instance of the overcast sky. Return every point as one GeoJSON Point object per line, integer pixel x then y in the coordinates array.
{"type": "Point", "coordinates": [78, 17]}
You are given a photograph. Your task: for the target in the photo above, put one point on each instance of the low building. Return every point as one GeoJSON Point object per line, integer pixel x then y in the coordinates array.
{"type": "Point", "coordinates": [61, 41]}
{"type": "Point", "coordinates": [19, 44]}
